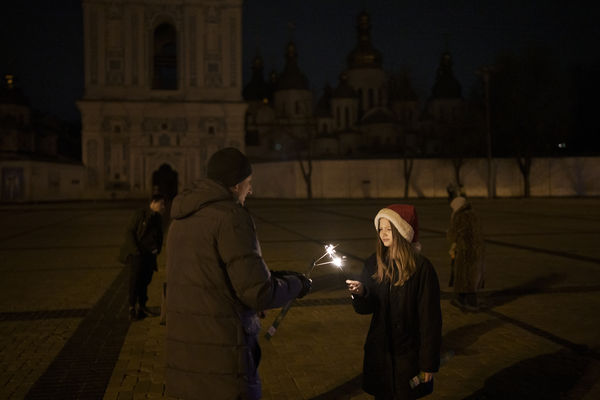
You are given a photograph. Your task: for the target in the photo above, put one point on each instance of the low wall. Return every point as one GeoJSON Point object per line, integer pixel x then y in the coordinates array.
{"type": "Point", "coordinates": [569, 176]}
{"type": "Point", "coordinates": [31, 180]}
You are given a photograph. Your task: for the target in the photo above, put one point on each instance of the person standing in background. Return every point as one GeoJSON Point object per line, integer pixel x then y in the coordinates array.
{"type": "Point", "coordinates": [142, 244]}
{"type": "Point", "coordinates": [466, 253]}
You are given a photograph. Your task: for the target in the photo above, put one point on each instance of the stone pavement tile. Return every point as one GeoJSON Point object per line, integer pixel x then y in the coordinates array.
{"type": "Point", "coordinates": [28, 347]}
{"type": "Point", "coordinates": [125, 395]}
{"type": "Point", "coordinates": [318, 348]}
{"type": "Point", "coordinates": [111, 395]}
{"type": "Point", "coordinates": [140, 367]}
{"type": "Point", "coordinates": [142, 386]}
{"type": "Point", "coordinates": [588, 388]}
{"type": "Point", "coordinates": [578, 312]}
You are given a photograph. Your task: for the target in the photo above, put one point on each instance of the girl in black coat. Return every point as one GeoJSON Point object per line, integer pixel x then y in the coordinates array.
{"type": "Point", "coordinates": [400, 288]}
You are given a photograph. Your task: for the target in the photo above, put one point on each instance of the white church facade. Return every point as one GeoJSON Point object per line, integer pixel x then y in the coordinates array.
{"type": "Point", "coordinates": [163, 84]}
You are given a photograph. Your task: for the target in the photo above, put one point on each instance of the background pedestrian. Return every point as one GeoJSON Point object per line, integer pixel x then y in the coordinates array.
{"type": "Point", "coordinates": [143, 242]}
{"type": "Point", "coordinates": [466, 254]}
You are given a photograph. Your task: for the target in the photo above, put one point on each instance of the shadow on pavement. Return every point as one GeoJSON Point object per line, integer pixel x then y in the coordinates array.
{"type": "Point", "coordinates": [459, 340]}
{"type": "Point", "coordinates": [343, 392]}
{"type": "Point", "coordinates": [504, 296]}
{"type": "Point", "coordinates": [561, 375]}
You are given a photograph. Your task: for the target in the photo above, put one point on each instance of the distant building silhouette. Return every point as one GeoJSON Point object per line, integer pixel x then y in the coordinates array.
{"type": "Point", "coordinates": [33, 165]}
{"type": "Point", "coordinates": [369, 113]}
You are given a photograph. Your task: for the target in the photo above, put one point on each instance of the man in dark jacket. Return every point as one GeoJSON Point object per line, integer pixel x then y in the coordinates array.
{"type": "Point", "coordinates": [218, 283]}
{"type": "Point", "coordinates": [143, 242]}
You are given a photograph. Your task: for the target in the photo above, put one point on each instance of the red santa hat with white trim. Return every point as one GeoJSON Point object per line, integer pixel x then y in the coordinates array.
{"type": "Point", "coordinates": [404, 218]}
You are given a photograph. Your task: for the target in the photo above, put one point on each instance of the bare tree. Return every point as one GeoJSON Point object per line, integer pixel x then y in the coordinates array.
{"type": "Point", "coordinates": [460, 140]}
{"type": "Point", "coordinates": [306, 171]}
{"type": "Point", "coordinates": [301, 143]}
{"type": "Point", "coordinates": [529, 107]}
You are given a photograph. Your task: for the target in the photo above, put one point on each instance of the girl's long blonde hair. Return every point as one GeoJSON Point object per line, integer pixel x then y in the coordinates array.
{"type": "Point", "coordinates": [395, 264]}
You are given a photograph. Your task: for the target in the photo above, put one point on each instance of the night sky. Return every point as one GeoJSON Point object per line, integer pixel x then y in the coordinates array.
{"type": "Point", "coordinates": [42, 43]}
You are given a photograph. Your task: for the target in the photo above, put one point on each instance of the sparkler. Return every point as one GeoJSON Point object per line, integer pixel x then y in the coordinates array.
{"type": "Point", "coordinates": [333, 259]}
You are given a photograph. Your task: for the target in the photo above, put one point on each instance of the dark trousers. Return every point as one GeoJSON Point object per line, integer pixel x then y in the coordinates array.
{"type": "Point", "coordinates": [141, 270]}
{"type": "Point", "coordinates": [254, 356]}
{"type": "Point", "coordinates": [467, 299]}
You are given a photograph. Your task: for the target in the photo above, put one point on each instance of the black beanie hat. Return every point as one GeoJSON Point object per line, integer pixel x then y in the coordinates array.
{"type": "Point", "coordinates": [228, 166]}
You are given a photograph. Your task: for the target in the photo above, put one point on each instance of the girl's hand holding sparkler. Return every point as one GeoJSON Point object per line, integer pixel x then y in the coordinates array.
{"type": "Point", "coordinates": [355, 287]}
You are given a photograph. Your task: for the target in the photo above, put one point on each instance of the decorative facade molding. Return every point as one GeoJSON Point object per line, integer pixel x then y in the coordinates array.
{"type": "Point", "coordinates": [93, 46]}
{"type": "Point", "coordinates": [233, 50]}
{"type": "Point", "coordinates": [150, 124]}
{"type": "Point", "coordinates": [192, 46]}
{"type": "Point", "coordinates": [134, 49]}
{"type": "Point", "coordinates": [213, 64]}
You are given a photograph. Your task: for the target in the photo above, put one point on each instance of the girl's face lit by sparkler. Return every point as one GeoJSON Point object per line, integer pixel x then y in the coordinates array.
{"type": "Point", "coordinates": [385, 232]}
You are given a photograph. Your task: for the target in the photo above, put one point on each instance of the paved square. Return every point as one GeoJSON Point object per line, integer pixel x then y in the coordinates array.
{"type": "Point", "coordinates": [64, 330]}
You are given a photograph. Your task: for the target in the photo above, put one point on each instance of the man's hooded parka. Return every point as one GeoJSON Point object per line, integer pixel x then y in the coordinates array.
{"type": "Point", "coordinates": [217, 281]}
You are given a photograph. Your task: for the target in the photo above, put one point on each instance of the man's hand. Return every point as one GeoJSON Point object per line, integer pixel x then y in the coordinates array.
{"type": "Point", "coordinates": [306, 282]}
{"type": "Point", "coordinates": [306, 285]}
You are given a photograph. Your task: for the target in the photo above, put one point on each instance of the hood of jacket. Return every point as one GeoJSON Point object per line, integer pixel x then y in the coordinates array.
{"type": "Point", "coordinates": [202, 193]}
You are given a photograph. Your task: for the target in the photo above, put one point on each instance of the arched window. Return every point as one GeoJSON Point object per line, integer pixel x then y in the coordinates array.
{"type": "Point", "coordinates": [165, 58]}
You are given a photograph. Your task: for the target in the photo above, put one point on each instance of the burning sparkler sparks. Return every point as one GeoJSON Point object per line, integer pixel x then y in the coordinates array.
{"type": "Point", "coordinates": [333, 259]}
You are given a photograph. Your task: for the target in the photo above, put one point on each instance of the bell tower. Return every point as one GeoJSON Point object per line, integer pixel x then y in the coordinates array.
{"type": "Point", "coordinates": [163, 88]}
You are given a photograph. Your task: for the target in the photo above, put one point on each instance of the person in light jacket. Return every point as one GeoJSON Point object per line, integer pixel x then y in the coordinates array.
{"type": "Point", "coordinates": [400, 287]}
{"type": "Point", "coordinates": [467, 249]}
{"type": "Point", "coordinates": [218, 284]}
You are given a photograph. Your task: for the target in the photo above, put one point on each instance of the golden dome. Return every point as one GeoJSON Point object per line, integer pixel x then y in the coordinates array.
{"type": "Point", "coordinates": [364, 54]}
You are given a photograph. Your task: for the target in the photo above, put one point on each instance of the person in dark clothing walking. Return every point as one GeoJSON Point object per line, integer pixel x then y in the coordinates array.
{"type": "Point", "coordinates": [143, 242]}
{"type": "Point", "coordinates": [400, 287]}
{"type": "Point", "coordinates": [219, 284]}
